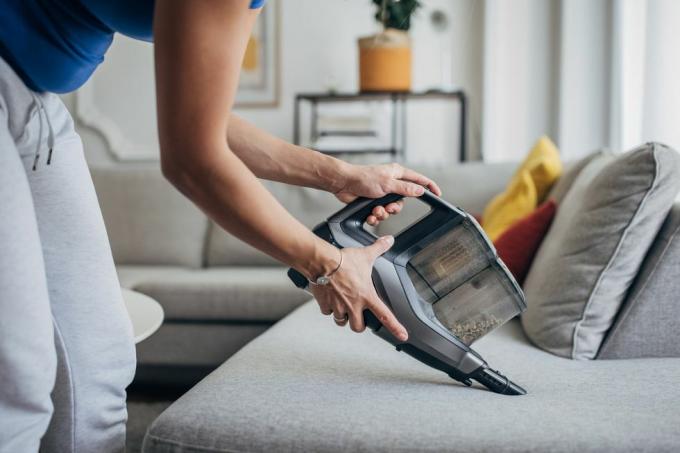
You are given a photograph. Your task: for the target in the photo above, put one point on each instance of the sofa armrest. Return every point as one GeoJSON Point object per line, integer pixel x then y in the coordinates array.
{"type": "Point", "coordinates": [649, 320]}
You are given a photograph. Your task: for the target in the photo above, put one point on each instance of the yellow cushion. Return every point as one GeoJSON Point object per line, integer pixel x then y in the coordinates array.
{"type": "Point", "coordinates": [518, 201]}
{"type": "Point", "coordinates": [544, 165]}
{"type": "Point", "coordinates": [526, 190]}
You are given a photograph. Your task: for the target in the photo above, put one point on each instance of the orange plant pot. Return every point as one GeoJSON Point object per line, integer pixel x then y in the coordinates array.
{"type": "Point", "coordinates": [385, 62]}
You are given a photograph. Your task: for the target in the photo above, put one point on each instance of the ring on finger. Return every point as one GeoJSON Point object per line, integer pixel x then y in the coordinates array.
{"type": "Point", "coordinates": [341, 321]}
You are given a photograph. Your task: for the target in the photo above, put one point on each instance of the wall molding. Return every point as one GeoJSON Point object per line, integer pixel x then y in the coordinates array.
{"type": "Point", "coordinates": [117, 144]}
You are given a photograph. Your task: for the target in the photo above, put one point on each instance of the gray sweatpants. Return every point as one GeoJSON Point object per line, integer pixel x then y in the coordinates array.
{"type": "Point", "coordinates": [66, 348]}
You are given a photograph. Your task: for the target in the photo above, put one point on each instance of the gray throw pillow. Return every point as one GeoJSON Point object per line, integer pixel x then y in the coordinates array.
{"type": "Point", "coordinates": [594, 249]}
{"type": "Point", "coordinates": [570, 172]}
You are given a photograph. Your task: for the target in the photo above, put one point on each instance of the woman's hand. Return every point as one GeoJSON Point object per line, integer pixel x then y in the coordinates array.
{"type": "Point", "coordinates": [350, 290]}
{"type": "Point", "coordinates": [375, 181]}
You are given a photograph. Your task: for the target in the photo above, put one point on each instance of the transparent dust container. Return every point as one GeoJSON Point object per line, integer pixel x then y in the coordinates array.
{"type": "Point", "coordinates": [462, 286]}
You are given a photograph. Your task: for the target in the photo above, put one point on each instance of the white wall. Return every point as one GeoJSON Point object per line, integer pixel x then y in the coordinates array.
{"type": "Point", "coordinates": [520, 80]}
{"type": "Point", "coordinates": [589, 73]}
{"type": "Point", "coordinates": [583, 107]}
{"type": "Point", "coordinates": [317, 48]}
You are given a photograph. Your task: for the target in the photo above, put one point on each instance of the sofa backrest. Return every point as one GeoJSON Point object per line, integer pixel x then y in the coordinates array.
{"type": "Point", "coordinates": [309, 206]}
{"type": "Point", "coordinates": [147, 220]}
{"type": "Point", "coordinates": [649, 319]}
{"type": "Point", "coordinates": [469, 186]}
{"type": "Point", "coordinates": [150, 223]}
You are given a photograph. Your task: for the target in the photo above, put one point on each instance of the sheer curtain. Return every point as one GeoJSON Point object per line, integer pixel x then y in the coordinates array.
{"type": "Point", "coordinates": [661, 86]}
{"type": "Point", "coordinates": [588, 73]}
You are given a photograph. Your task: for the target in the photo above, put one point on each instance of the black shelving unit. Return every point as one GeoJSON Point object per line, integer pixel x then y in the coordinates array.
{"type": "Point", "coordinates": [398, 99]}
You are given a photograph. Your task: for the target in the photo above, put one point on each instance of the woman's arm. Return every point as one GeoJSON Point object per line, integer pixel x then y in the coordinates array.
{"type": "Point", "coordinates": [269, 157]}
{"type": "Point", "coordinates": [199, 47]}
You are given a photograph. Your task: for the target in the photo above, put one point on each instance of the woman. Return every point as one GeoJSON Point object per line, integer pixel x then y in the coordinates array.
{"type": "Point", "coordinates": [66, 354]}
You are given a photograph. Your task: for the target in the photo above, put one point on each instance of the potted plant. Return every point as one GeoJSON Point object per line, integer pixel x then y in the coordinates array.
{"type": "Point", "coordinates": [385, 58]}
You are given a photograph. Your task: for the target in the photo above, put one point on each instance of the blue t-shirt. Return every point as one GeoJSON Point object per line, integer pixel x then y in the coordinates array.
{"type": "Point", "coordinates": [55, 45]}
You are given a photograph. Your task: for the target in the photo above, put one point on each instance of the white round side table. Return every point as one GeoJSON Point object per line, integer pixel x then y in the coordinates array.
{"type": "Point", "coordinates": [145, 313]}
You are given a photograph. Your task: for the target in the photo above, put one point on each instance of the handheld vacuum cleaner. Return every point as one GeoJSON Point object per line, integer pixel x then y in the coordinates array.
{"type": "Point", "coordinates": [444, 282]}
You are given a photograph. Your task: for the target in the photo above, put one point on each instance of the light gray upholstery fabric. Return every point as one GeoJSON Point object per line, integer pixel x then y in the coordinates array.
{"type": "Point", "coordinates": [594, 248]}
{"type": "Point", "coordinates": [216, 294]}
{"type": "Point", "coordinates": [306, 385]}
{"type": "Point", "coordinates": [570, 172]}
{"type": "Point", "coordinates": [130, 276]}
{"type": "Point", "coordinates": [649, 321]}
{"type": "Point", "coordinates": [469, 185]}
{"type": "Point", "coordinates": [307, 205]}
{"type": "Point", "coordinates": [195, 344]}
{"type": "Point", "coordinates": [148, 221]}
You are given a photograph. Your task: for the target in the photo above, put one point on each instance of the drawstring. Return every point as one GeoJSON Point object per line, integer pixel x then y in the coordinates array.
{"type": "Point", "coordinates": [50, 132]}
{"type": "Point", "coordinates": [40, 134]}
{"type": "Point", "coordinates": [50, 137]}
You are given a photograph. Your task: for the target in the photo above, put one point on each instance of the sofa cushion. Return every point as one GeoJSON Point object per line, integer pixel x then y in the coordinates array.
{"type": "Point", "coordinates": [518, 245]}
{"type": "Point", "coordinates": [306, 385]}
{"type": "Point", "coordinates": [570, 172]}
{"type": "Point", "coordinates": [595, 246]}
{"type": "Point", "coordinates": [528, 187]}
{"type": "Point", "coordinates": [517, 201]}
{"type": "Point", "coordinates": [309, 206]}
{"type": "Point", "coordinates": [216, 294]}
{"type": "Point", "coordinates": [148, 220]}
{"type": "Point", "coordinates": [649, 321]}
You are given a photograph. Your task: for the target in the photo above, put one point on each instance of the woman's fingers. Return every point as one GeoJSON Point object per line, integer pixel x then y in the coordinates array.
{"type": "Point", "coordinates": [387, 319]}
{"type": "Point", "coordinates": [394, 208]}
{"type": "Point", "coordinates": [324, 307]}
{"type": "Point", "coordinates": [381, 312]}
{"type": "Point", "coordinates": [340, 314]}
{"type": "Point", "coordinates": [379, 247]}
{"type": "Point", "coordinates": [340, 320]}
{"type": "Point", "coordinates": [352, 291]}
{"type": "Point", "coordinates": [380, 213]}
{"type": "Point", "coordinates": [413, 176]}
{"type": "Point", "coordinates": [356, 320]}
{"type": "Point", "coordinates": [406, 188]}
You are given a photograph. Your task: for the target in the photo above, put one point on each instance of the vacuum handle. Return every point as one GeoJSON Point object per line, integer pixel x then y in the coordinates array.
{"type": "Point", "coordinates": [354, 215]}
{"type": "Point", "coordinates": [361, 208]}
{"type": "Point", "coordinates": [358, 210]}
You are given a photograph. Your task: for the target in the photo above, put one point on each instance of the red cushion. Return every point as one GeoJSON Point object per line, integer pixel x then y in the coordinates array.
{"type": "Point", "coordinates": [519, 243]}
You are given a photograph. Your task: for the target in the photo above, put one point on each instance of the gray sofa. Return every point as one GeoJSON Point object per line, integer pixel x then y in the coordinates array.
{"type": "Point", "coordinates": [305, 385]}
{"type": "Point", "coordinates": [218, 293]}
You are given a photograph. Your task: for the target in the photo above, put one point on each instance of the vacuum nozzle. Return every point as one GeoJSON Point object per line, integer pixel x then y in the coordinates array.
{"type": "Point", "coordinates": [496, 382]}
